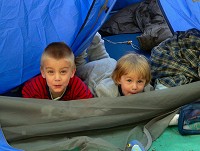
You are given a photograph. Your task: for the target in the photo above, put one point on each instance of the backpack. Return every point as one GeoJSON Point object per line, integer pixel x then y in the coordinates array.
{"type": "Point", "coordinates": [189, 119]}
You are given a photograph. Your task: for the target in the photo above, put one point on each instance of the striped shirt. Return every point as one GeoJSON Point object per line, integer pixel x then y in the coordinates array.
{"type": "Point", "coordinates": [37, 88]}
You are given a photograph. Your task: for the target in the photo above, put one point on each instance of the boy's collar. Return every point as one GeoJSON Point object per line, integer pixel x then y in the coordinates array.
{"type": "Point", "coordinates": [58, 98]}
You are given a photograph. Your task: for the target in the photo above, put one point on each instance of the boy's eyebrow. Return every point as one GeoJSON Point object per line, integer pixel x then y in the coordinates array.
{"type": "Point", "coordinates": [48, 68]}
{"type": "Point", "coordinates": [65, 67]}
{"type": "Point", "coordinates": [52, 68]}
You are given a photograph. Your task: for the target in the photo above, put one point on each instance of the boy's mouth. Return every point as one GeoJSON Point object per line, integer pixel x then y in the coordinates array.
{"type": "Point", "coordinates": [57, 86]}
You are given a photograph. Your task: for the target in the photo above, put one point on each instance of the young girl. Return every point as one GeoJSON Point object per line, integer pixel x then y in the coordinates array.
{"type": "Point", "coordinates": [107, 77]}
{"type": "Point", "coordinates": [131, 75]}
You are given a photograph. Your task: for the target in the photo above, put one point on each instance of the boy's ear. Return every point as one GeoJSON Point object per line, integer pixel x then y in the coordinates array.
{"type": "Point", "coordinates": [73, 72]}
{"type": "Point", "coordinates": [42, 72]}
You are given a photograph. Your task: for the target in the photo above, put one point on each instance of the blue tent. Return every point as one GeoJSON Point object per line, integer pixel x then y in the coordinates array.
{"type": "Point", "coordinates": [4, 146]}
{"type": "Point", "coordinates": [181, 15]}
{"type": "Point", "coordinates": [28, 26]}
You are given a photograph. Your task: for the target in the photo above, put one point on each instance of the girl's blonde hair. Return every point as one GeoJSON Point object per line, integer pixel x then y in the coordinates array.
{"type": "Point", "coordinates": [132, 63]}
{"type": "Point", "coordinates": [58, 50]}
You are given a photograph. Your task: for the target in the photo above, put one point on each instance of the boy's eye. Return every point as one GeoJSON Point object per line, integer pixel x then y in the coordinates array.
{"type": "Point", "coordinates": [63, 72]}
{"type": "Point", "coordinates": [50, 71]}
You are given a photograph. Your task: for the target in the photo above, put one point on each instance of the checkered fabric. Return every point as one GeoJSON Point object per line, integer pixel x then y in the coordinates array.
{"type": "Point", "coordinates": [176, 61]}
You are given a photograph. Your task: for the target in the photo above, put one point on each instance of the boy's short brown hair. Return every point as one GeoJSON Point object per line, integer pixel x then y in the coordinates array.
{"type": "Point", "coordinates": [132, 62]}
{"type": "Point", "coordinates": [58, 50]}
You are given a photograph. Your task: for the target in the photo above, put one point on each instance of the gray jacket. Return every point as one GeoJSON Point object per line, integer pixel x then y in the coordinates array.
{"type": "Point", "coordinates": [107, 88]}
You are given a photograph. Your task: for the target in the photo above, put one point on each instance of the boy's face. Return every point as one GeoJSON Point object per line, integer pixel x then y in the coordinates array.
{"type": "Point", "coordinates": [57, 74]}
{"type": "Point", "coordinates": [131, 84]}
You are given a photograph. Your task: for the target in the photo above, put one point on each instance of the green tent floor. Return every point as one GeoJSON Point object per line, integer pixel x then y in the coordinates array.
{"type": "Point", "coordinates": [170, 140]}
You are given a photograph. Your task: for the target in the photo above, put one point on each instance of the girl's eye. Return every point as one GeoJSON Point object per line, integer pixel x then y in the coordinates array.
{"type": "Point", "coordinates": [129, 80]}
{"type": "Point", "coordinates": [140, 81]}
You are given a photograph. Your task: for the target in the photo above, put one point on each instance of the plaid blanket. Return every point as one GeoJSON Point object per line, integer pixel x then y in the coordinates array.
{"type": "Point", "coordinates": [176, 61]}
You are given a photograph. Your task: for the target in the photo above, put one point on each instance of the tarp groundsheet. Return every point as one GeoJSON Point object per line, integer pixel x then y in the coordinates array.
{"type": "Point", "coordinates": [39, 125]}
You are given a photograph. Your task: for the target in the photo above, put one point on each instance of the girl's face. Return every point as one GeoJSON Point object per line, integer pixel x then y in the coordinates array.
{"type": "Point", "coordinates": [57, 74]}
{"type": "Point", "coordinates": [132, 84]}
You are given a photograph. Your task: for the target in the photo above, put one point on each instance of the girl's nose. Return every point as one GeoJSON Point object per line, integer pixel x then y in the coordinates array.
{"type": "Point", "coordinates": [134, 86]}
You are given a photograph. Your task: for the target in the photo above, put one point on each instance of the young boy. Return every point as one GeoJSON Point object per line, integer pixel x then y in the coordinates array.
{"type": "Point", "coordinates": [57, 80]}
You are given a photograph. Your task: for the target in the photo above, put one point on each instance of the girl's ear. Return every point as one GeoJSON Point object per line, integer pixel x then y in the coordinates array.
{"type": "Point", "coordinates": [42, 72]}
{"type": "Point", "coordinates": [118, 82]}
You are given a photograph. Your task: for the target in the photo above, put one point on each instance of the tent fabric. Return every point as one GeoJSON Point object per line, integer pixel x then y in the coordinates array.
{"type": "Point", "coordinates": [4, 146]}
{"type": "Point", "coordinates": [122, 48]}
{"type": "Point", "coordinates": [122, 4]}
{"type": "Point", "coordinates": [187, 14]}
{"type": "Point", "coordinates": [28, 26]}
{"type": "Point", "coordinates": [42, 122]}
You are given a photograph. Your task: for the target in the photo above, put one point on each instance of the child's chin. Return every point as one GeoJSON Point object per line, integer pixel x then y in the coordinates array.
{"type": "Point", "coordinates": [58, 90]}
{"type": "Point", "coordinates": [131, 94]}
{"type": "Point", "coordinates": [128, 94]}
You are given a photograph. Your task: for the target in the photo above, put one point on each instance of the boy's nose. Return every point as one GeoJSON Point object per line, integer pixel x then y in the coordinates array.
{"type": "Point", "coordinates": [57, 77]}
